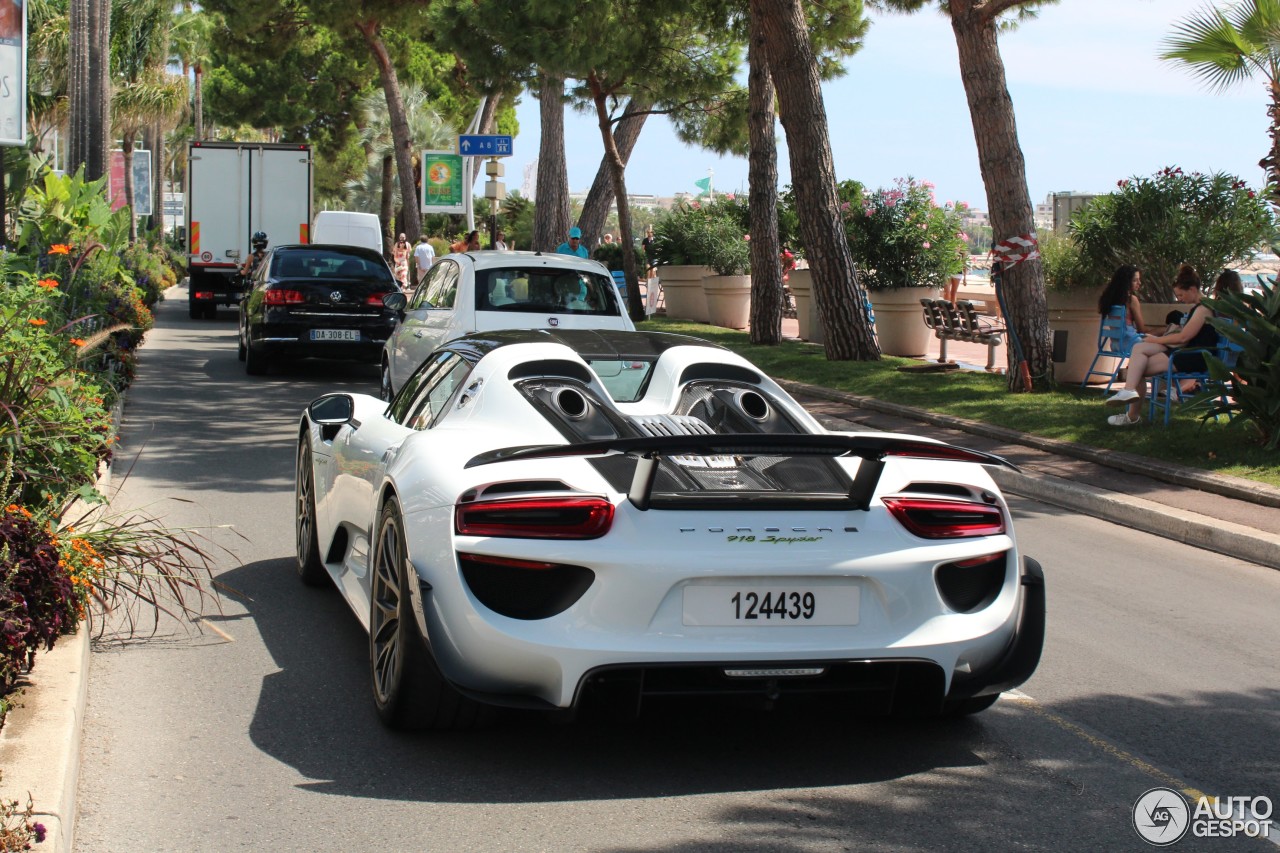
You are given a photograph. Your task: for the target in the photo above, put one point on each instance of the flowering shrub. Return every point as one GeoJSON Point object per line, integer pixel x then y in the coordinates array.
{"type": "Point", "coordinates": [1156, 223]}
{"type": "Point", "coordinates": [54, 420]}
{"type": "Point", "coordinates": [37, 598]}
{"type": "Point", "coordinates": [899, 237]}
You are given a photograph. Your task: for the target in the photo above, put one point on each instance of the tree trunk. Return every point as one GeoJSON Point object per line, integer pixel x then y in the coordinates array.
{"type": "Point", "coordinates": [595, 210]}
{"type": "Point", "coordinates": [399, 121]}
{"type": "Point", "coordinates": [762, 202]}
{"type": "Point", "coordinates": [90, 87]}
{"type": "Point", "coordinates": [489, 115]}
{"type": "Point", "coordinates": [1004, 175]}
{"type": "Point", "coordinates": [387, 205]}
{"type": "Point", "coordinates": [551, 212]}
{"type": "Point", "coordinates": [100, 83]}
{"type": "Point", "coordinates": [198, 105]}
{"type": "Point", "coordinates": [126, 155]}
{"type": "Point", "coordinates": [631, 272]}
{"type": "Point", "coordinates": [80, 46]}
{"type": "Point", "coordinates": [841, 300]}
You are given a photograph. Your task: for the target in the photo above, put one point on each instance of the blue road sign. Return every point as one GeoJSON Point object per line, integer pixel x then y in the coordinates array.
{"type": "Point", "coordinates": [484, 146]}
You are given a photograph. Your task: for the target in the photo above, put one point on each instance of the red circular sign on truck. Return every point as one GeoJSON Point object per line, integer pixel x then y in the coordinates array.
{"type": "Point", "coordinates": [206, 256]}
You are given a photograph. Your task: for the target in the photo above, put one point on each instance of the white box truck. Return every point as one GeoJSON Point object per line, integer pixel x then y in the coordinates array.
{"type": "Point", "coordinates": [233, 190]}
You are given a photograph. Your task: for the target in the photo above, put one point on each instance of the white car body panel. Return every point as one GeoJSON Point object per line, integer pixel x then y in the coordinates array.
{"type": "Point", "coordinates": [424, 329]}
{"type": "Point", "coordinates": [633, 612]}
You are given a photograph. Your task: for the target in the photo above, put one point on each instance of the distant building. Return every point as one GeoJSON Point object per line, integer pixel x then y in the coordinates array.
{"type": "Point", "coordinates": [1044, 214]}
{"type": "Point", "coordinates": [1065, 204]}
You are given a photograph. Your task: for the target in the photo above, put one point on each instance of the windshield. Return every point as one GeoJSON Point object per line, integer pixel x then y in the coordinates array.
{"type": "Point", "coordinates": [624, 379]}
{"type": "Point", "coordinates": [546, 291]}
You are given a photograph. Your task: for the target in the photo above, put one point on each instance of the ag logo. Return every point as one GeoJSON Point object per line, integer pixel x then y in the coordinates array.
{"type": "Point", "coordinates": [1161, 816]}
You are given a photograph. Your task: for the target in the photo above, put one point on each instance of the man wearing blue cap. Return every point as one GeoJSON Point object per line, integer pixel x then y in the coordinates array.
{"type": "Point", "coordinates": [574, 244]}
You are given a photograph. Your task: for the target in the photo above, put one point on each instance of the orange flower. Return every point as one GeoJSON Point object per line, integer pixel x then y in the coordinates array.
{"type": "Point", "coordinates": [77, 342]}
{"type": "Point", "coordinates": [59, 249]}
{"type": "Point", "coordinates": [37, 321]}
{"type": "Point", "coordinates": [48, 283]}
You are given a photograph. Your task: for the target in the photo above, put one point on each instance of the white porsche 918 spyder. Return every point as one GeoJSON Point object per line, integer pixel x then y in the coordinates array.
{"type": "Point", "coordinates": [541, 519]}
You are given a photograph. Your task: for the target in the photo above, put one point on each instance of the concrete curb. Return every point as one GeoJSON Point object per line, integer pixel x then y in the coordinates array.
{"type": "Point", "coordinates": [40, 741]}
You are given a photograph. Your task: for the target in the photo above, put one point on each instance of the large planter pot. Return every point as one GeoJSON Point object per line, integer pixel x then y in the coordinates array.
{"type": "Point", "coordinates": [728, 300]}
{"type": "Point", "coordinates": [1075, 314]}
{"type": "Point", "coordinates": [900, 320]}
{"type": "Point", "coordinates": [682, 291]}
{"type": "Point", "coordinates": [801, 284]}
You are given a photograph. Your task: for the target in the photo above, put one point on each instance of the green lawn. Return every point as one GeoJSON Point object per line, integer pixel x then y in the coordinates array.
{"type": "Point", "coordinates": [1068, 414]}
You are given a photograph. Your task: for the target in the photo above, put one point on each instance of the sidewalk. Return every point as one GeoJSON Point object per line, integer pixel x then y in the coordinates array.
{"type": "Point", "coordinates": [40, 744]}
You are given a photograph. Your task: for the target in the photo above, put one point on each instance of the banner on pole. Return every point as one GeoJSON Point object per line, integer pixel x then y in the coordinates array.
{"type": "Point", "coordinates": [141, 180]}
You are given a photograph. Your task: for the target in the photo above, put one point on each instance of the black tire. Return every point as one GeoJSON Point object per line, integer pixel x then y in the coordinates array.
{"type": "Point", "coordinates": [408, 690]}
{"type": "Point", "coordinates": [255, 363]}
{"type": "Point", "coordinates": [384, 382]}
{"type": "Point", "coordinates": [310, 567]}
{"type": "Point", "coordinates": [211, 312]}
{"type": "Point", "coordinates": [240, 349]}
{"type": "Point", "coordinates": [954, 708]}
{"type": "Point", "coordinates": [195, 310]}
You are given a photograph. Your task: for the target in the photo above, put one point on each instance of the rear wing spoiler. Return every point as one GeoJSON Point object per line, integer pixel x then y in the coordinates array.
{"type": "Point", "coordinates": [649, 451]}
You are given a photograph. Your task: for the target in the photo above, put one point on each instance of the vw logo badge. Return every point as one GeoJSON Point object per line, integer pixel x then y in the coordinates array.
{"type": "Point", "coordinates": [336, 296]}
{"type": "Point", "coordinates": [553, 321]}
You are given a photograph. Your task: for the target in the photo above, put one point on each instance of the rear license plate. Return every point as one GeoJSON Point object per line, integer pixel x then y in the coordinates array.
{"type": "Point", "coordinates": [335, 335]}
{"type": "Point", "coordinates": [771, 605]}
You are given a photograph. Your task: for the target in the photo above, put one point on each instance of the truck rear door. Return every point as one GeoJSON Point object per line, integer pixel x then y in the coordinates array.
{"type": "Point", "coordinates": [280, 182]}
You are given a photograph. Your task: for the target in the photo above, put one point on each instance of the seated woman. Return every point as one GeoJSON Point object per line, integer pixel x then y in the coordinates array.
{"type": "Point", "coordinates": [1122, 290]}
{"type": "Point", "coordinates": [1151, 356]}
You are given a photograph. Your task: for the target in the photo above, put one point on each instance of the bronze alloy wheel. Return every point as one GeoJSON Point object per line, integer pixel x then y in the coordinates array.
{"type": "Point", "coordinates": [310, 567]}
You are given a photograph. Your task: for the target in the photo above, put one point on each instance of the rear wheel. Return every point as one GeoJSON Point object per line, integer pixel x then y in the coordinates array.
{"type": "Point", "coordinates": [240, 348]}
{"type": "Point", "coordinates": [255, 363]}
{"type": "Point", "coordinates": [310, 567]}
{"type": "Point", "coordinates": [408, 689]}
{"type": "Point", "coordinates": [195, 310]}
{"type": "Point", "coordinates": [211, 312]}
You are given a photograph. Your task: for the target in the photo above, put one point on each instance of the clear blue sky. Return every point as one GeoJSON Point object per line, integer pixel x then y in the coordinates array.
{"type": "Point", "coordinates": [1093, 105]}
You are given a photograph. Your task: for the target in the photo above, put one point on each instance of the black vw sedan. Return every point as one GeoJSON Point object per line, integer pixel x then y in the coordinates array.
{"type": "Point", "coordinates": [316, 301]}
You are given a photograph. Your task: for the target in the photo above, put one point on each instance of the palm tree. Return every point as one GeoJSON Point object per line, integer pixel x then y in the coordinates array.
{"type": "Point", "coordinates": [426, 130]}
{"type": "Point", "coordinates": [1223, 48]}
{"type": "Point", "coordinates": [88, 46]}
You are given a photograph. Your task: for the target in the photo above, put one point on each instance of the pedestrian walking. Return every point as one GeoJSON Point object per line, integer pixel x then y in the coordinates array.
{"type": "Point", "coordinates": [400, 258]}
{"type": "Point", "coordinates": [424, 255]}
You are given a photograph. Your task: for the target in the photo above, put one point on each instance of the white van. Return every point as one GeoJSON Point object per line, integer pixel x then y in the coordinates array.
{"type": "Point", "coordinates": [348, 228]}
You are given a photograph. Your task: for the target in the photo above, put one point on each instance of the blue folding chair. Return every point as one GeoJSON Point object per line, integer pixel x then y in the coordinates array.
{"type": "Point", "coordinates": [620, 280]}
{"type": "Point", "coordinates": [1111, 335]}
{"type": "Point", "coordinates": [1166, 388]}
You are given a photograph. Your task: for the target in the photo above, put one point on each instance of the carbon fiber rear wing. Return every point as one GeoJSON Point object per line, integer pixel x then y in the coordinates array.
{"type": "Point", "coordinates": [650, 450]}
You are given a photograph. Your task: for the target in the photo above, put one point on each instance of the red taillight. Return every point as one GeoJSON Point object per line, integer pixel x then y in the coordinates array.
{"type": "Point", "coordinates": [203, 294]}
{"type": "Point", "coordinates": [931, 518]}
{"type": "Point", "coordinates": [507, 562]}
{"type": "Point", "coordinates": [536, 518]}
{"type": "Point", "coordinates": [285, 297]}
{"type": "Point", "coordinates": [925, 450]}
{"type": "Point", "coordinates": [375, 299]}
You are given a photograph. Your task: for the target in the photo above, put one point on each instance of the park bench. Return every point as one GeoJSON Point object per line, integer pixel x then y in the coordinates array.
{"type": "Point", "coordinates": [961, 322]}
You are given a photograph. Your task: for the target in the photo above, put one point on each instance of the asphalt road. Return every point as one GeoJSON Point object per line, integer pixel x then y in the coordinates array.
{"type": "Point", "coordinates": [258, 732]}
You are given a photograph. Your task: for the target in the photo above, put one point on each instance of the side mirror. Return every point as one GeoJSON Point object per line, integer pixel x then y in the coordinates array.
{"type": "Point", "coordinates": [395, 301]}
{"type": "Point", "coordinates": [332, 409]}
